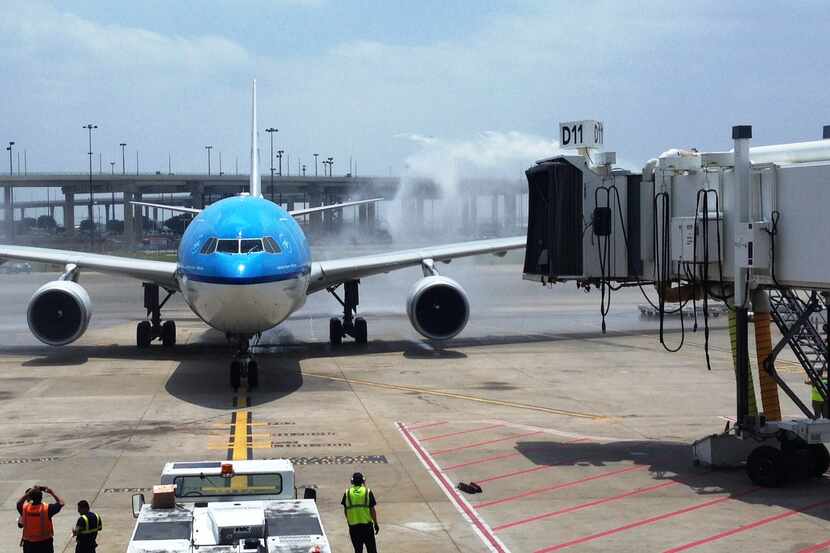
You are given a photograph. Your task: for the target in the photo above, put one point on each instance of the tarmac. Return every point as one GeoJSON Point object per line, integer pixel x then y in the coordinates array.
{"type": "Point", "coordinates": [579, 439]}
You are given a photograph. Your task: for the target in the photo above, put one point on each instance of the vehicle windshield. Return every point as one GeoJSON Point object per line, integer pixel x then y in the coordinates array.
{"type": "Point", "coordinates": [238, 484]}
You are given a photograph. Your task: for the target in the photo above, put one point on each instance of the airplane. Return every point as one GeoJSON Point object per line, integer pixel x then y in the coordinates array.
{"type": "Point", "coordinates": [243, 267]}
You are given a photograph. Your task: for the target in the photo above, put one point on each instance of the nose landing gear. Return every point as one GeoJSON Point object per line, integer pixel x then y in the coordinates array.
{"type": "Point", "coordinates": [349, 325]}
{"type": "Point", "coordinates": [244, 366]}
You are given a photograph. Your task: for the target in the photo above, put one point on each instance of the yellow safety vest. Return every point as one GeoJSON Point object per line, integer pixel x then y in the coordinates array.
{"type": "Point", "coordinates": [815, 396]}
{"type": "Point", "coordinates": [94, 530]}
{"type": "Point", "coordinates": [357, 506]}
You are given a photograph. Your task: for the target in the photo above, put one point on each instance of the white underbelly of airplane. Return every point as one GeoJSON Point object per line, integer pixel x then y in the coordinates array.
{"type": "Point", "coordinates": [245, 308]}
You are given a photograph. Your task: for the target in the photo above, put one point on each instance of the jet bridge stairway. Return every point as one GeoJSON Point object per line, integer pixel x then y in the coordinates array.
{"type": "Point", "coordinates": [802, 320]}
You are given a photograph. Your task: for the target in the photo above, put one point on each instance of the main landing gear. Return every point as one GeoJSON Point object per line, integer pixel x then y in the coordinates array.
{"type": "Point", "coordinates": [244, 365]}
{"type": "Point", "coordinates": [349, 324]}
{"type": "Point", "coordinates": [147, 331]}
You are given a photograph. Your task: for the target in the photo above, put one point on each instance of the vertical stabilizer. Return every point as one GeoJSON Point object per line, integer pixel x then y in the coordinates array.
{"type": "Point", "coordinates": [255, 189]}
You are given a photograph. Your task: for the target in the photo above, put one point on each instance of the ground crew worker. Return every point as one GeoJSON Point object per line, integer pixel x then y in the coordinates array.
{"type": "Point", "coordinates": [36, 518]}
{"type": "Point", "coordinates": [818, 401]}
{"type": "Point", "coordinates": [86, 529]}
{"type": "Point", "coordinates": [359, 506]}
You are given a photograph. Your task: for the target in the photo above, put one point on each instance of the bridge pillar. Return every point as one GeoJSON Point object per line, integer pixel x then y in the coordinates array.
{"type": "Point", "coordinates": [9, 212]}
{"type": "Point", "coordinates": [315, 199]}
{"type": "Point", "coordinates": [155, 216]}
{"type": "Point", "coordinates": [129, 225]}
{"type": "Point", "coordinates": [69, 213]}
{"type": "Point", "coordinates": [510, 211]}
{"type": "Point", "coordinates": [197, 195]}
{"type": "Point", "coordinates": [362, 215]}
{"type": "Point", "coordinates": [494, 209]}
{"type": "Point", "coordinates": [371, 217]}
{"type": "Point", "coordinates": [473, 212]}
{"type": "Point", "coordinates": [106, 213]}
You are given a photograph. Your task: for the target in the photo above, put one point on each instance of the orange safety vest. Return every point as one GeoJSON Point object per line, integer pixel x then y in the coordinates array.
{"type": "Point", "coordinates": [37, 526]}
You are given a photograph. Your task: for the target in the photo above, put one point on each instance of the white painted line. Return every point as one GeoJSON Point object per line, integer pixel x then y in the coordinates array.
{"type": "Point", "coordinates": [480, 527]}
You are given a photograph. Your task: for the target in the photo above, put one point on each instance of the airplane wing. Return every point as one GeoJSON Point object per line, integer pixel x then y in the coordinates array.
{"type": "Point", "coordinates": [298, 212]}
{"type": "Point", "coordinates": [193, 210]}
{"type": "Point", "coordinates": [330, 273]}
{"type": "Point", "coordinates": [160, 272]}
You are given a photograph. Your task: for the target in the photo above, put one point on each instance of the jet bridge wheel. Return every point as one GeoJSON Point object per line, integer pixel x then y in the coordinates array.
{"type": "Point", "coordinates": [819, 460]}
{"type": "Point", "coordinates": [766, 467]}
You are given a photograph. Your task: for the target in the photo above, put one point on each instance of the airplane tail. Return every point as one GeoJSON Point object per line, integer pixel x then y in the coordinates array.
{"type": "Point", "coordinates": [255, 188]}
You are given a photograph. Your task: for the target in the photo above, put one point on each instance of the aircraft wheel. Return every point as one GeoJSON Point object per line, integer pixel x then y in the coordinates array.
{"type": "Point", "coordinates": [819, 460]}
{"type": "Point", "coordinates": [168, 334]}
{"type": "Point", "coordinates": [236, 374]}
{"type": "Point", "coordinates": [143, 334]}
{"type": "Point", "coordinates": [361, 331]}
{"type": "Point", "coordinates": [765, 466]}
{"type": "Point", "coordinates": [253, 374]}
{"type": "Point", "coordinates": [335, 331]}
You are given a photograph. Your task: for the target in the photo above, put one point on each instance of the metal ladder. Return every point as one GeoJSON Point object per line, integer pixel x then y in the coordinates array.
{"type": "Point", "coordinates": [801, 318]}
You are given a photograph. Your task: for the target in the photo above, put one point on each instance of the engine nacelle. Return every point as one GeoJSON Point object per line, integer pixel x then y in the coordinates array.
{"type": "Point", "coordinates": [438, 307]}
{"type": "Point", "coordinates": [59, 312]}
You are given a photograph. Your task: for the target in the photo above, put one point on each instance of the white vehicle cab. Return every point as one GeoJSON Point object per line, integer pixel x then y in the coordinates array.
{"type": "Point", "coordinates": [228, 507]}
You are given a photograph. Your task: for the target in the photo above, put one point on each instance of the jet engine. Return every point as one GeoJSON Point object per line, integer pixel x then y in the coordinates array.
{"type": "Point", "coordinates": [438, 307]}
{"type": "Point", "coordinates": [59, 312]}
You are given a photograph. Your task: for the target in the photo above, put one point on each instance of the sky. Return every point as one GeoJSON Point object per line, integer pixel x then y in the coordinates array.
{"type": "Point", "coordinates": [388, 83]}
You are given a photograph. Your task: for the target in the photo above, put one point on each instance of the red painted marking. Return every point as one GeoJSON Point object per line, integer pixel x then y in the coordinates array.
{"type": "Point", "coordinates": [440, 436]}
{"type": "Point", "coordinates": [479, 524]}
{"type": "Point", "coordinates": [482, 460]}
{"type": "Point", "coordinates": [643, 522]}
{"type": "Point", "coordinates": [558, 486]}
{"type": "Point", "coordinates": [817, 547]}
{"type": "Point", "coordinates": [587, 505]}
{"type": "Point", "coordinates": [514, 473]}
{"type": "Point", "coordinates": [749, 526]}
{"type": "Point", "coordinates": [487, 442]}
{"type": "Point", "coordinates": [525, 471]}
{"type": "Point", "coordinates": [426, 425]}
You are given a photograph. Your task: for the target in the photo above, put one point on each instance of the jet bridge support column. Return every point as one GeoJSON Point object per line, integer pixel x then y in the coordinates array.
{"type": "Point", "coordinates": [741, 134]}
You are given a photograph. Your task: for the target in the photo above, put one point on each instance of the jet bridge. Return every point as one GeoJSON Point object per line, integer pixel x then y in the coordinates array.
{"type": "Point", "coordinates": [746, 227]}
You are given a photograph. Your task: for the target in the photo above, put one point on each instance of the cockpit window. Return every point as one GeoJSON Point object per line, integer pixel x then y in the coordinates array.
{"type": "Point", "coordinates": [270, 245]}
{"type": "Point", "coordinates": [228, 246]}
{"type": "Point", "coordinates": [209, 246]}
{"type": "Point", "coordinates": [244, 245]}
{"type": "Point", "coordinates": [251, 246]}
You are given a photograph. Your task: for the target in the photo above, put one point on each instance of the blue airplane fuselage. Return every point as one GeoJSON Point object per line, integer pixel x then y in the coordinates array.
{"type": "Point", "coordinates": [244, 292]}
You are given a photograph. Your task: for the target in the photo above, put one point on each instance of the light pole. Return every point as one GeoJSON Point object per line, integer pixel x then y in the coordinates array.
{"type": "Point", "coordinates": [89, 128]}
{"type": "Point", "coordinates": [123, 159]}
{"type": "Point", "coordinates": [279, 156]}
{"type": "Point", "coordinates": [331, 164]}
{"type": "Point", "coordinates": [220, 164]}
{"type": "Point", "coordinates": [208, 148]}
{"type": "Point", "coordinates": [303, 169]}
{"type": "Point", "coordinates": [112, 167]}
{"type": "Point", "coordinates": [271, 131]}
{"type": "Point", "coordinates": [315, 164]}
{"type": "Point", "coordinates": [9, 149]}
